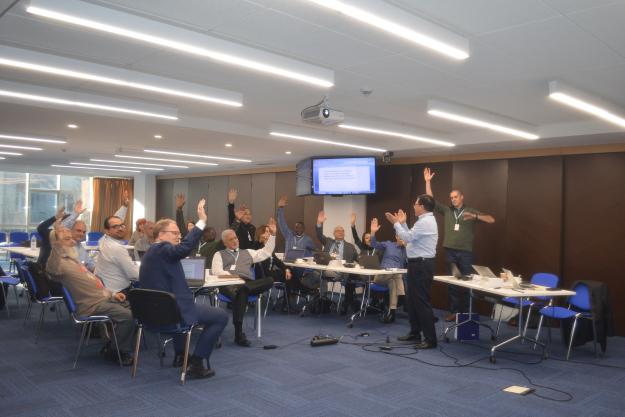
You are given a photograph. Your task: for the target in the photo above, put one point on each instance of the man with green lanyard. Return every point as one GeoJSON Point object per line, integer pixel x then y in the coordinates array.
{"type": "Point", "coordinates": [459, 226]}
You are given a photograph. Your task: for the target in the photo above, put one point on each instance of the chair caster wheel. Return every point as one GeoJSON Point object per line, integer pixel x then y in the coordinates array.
{"type": "Point", "coordinates": [492, 359]}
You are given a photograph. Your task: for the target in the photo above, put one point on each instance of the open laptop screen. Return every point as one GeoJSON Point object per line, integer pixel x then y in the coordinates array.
{"type": "Point", "coordinates": [193, 267]}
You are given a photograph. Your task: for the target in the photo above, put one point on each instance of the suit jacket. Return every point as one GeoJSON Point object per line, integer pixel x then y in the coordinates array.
{"type": "Point", "coordinates": [161, 270]}
{"type": "Point", "coordinates": [349, 250]}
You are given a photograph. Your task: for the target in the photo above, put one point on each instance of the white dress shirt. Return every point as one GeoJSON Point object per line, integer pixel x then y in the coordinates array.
{"type": "Point", "coordinates": [217, 268]}
{"type": "Point", "coordinates": [114, 266]}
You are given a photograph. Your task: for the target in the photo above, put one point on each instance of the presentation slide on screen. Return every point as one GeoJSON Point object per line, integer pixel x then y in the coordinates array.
{"type": "Point", "coordinates": [344, 177]}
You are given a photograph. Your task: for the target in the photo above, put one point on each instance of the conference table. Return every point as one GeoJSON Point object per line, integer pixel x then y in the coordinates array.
{"type": "Point", "coordinates": [494, 287]}
{"type": "Point", "coordinates": [25, 251]}
{"type": "Point", "coordinates": [367, 275]}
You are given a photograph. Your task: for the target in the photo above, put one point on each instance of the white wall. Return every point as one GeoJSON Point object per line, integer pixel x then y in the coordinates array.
{"type": "Point", "coordinates": [144, 204]}
{"type": "Point", "coordinates": [339, 210]}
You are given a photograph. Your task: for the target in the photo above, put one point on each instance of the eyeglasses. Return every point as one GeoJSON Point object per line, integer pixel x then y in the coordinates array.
{"type": "Point", "coordinates": [174, 232]}
{"type": "Point", "coordinates": [118, 226]}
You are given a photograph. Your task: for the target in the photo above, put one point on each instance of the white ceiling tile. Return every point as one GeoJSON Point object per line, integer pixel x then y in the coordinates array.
{"type": "Point", "coordinates": [568, 6]}
{"type": "Point", "coordinates": [606, 23]}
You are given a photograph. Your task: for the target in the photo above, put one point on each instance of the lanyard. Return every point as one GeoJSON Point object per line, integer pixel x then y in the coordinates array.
{"type": "Point", "coordinates": [457, 216]}
{"type": "Point", "coordinates": [201, 246]}
{"type": "Point", "coordinates": [296, 240]}
{"type": "Point", "coordinates": [236, 257]}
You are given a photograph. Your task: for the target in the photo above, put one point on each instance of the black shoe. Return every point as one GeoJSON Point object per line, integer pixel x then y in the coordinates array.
{"type": "Point", "coordinates": [343, 311]}
{"type": "Point", "coordinates": [197, 369]}
{"type": "Point", "coordinates": [425, 345]}
{"type": "Point", "coordinates": [388, 317]}
{"type": "Point", "coordinates": [179, 361]}
{"type": "Point", "coordinates": [241, 340]}
{"type": "Point", "coordinates": [111, 355]}
{"type": "Point", "coordinates": [410, 338]}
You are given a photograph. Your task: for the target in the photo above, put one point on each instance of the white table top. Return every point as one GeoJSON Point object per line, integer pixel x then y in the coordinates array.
{"type": "Point", "coordinates": [344, 270]}
{"type": "Point", "coordinates": [504, 291]}
{"type": "Point", "coordinates": [22, 250]}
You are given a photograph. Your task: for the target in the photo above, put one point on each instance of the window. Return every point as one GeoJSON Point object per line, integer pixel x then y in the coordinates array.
{"type": "Point", "coordinates": [42, 206]}
{"type": "Point", "coordinates": [12, 200]}
{"type": "Point", "coordinates": [44, 182]}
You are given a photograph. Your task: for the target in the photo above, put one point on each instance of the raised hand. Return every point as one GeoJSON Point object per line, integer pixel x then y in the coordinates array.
{"type": "Point", "coordinates": [392, 218]}
{"type": "Point", "coordinates": [180, 201]}
{"type": "Point", "coordinates": [353, 219]}
{"type": "Point", "coordinates": [271, 224]}
{"type": "Point", "coordinates": [78, 208]}
{"type": "Point", "coordinates": [428, 175]}
{"type": "Point", "coordinates": [126, 198]}
{"type": "Point", "coordinates": [375, 226]}
{"type": "Point", "coordinates": [468, 216]}
{"type": "Point", "coordinates": [60, 212]}
{"type": "Point", "coordinates": [283, 201]}
{"type": "Point", "coordinates": [288, 274]}
{"type": "Point", "coordinates": [401, 216]}
{"type": "Point", "coordinates": [201, 213]}
{"type": "Point", "coordinates": [232, 195]}
{"type": "Point", "coordinates": [321, 217]}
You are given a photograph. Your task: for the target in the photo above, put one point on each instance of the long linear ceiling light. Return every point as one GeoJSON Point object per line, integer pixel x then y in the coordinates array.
{"type": "Point", "coordinates": [194, 155]}
{"type": "Point", "coordinates": [396, 134]}
{"type": "Point", "coordinates": [93, 168]}
{"type": "Point", "coordinates": [579, 100]}
{"type": "Point", "coordinates": [138, 163]}
{"type": "Point", "coordinates": [145, 158]}
{"type": "Point", "coordinates": [114, 166]}
{"type": "Point", "coordinates": [325, 141]}
{"type": "Point", "coordinates": [24, 92]}
{"type": "Point", "coordinates": [11, 153]}
{"type": "Point", "coordinates": [474, 117]}
{"type": "Point", "coordinates": [71, 68]}
{"type": "Point", "coordinates": [125, 25]}
{"type": "Point", "coordinates": [402, 24]}
{"type": "Point", "coordinates": [26, 148]}
{"type": "Point", "coordinates": [29, 138]}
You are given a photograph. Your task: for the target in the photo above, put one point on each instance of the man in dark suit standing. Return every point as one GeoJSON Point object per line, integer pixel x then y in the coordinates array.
{"type": "Point", "coordinates": [161, 270]}
{"type": "Point", "coordinates": [339, 249]}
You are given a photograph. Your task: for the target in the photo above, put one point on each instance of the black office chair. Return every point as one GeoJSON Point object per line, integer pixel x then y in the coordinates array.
{"type": "Point", "coordinates": [158, 312]}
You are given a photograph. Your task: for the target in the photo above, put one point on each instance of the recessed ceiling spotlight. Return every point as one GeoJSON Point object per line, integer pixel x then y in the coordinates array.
{"type": "Point", "coordinates": [158, 136]}
{"type": "Point", "coordinates": [288, 152]}
{"type": "Point", "coordinates": [228, 145]}
{"type": "Point", "coordinates": [72, 126]}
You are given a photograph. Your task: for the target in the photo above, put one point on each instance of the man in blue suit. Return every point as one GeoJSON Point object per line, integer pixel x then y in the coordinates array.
{"type": "Point", "coordinates": [161, 270]}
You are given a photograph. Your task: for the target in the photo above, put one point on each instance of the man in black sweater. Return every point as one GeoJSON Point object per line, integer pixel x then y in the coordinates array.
{"type": "Point", "coordinates": [241, 221]}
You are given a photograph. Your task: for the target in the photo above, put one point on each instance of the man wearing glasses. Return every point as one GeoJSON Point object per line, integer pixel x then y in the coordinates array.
{"type": "Point", "coordinates": [114, 266]}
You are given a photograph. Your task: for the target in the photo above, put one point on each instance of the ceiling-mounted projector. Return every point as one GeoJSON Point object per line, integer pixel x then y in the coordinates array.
{"type": "Point", "coordinates": [321, 113]}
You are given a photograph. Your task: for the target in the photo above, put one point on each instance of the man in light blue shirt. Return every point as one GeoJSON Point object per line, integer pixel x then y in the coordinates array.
{"type": "Point", "coordinates": [294, 240]}
{"type": "Point", "coordinates": [421, 251]}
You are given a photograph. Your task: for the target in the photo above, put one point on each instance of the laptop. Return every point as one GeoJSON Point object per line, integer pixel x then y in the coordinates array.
{"type": "Point", "coordinates": [322, 258]}
{"type": "Point", "coordinates": [484, 271]}
{"type": "Point", "coordinates": [516, 283]}
{"type": "Point", "coordinates": [194, 270]}
{"type": "Point", "coordinates": [293, 254]}
{"type": "Point", "coordinates": [369, 261]}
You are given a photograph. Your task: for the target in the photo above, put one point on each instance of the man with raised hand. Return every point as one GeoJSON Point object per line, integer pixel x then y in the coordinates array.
{"type": "Point", "coordinates": [293, 239]}
{"type": "Point", "coordinates": [241, 221]}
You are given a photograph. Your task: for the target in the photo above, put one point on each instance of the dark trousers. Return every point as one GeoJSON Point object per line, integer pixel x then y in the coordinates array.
{"type": "Point", "coordinates": [124, 323]}
{"type": "Point", "coordinates": [420, 314]}
{"type": "Point", "coordinates": [458, 296]}
{"type": "Point", "coordinates": [214, 321]}
{"type": "Point", "coordinates": [239, 293]}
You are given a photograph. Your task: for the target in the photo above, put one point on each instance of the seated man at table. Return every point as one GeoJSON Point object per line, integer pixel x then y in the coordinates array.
{"type": "Point", "coordinates": [114, 265]}
{"type": "Point", "coordinates": [161, 269]}
{"type": "Point", "coordinates": [90, 295]}
{"type": "Point", "coordinates": [339, 249]}
{"type": "Point", "coordinates": [239, 262]}
{"type": "Point", "coordinates": [394, 257]}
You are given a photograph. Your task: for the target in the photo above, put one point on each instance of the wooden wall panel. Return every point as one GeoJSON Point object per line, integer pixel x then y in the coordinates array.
{"type": "Point", "coordinates": [263, 202]}
{"type": "Point", "coordinates": [164, 204]}
{"type": "Point", "coordinates": [217, 203]}
{"type": "Point", "coordinates": [312, 205]}
{"type": "Point", "coordinates": [594, 224]}
{"type": "Point", "coordinates": [533, 229]}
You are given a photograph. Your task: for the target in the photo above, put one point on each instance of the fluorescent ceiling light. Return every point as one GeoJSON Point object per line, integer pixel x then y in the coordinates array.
{"type": "Point", "coordinates": [479, 118]}
{"type": "Point", "coordinates": [26, 148]}
{"type": "Point", "coordinates": [29, 138]}
{"type": "Point", "coordinates": [194, 155]}
{"type": "Point", "coordinates": [584, 102]}
{"type": "Point", "coordinates": [138, 163]}
{"type": "Point", "coordinates": [96, 169]}
{"type": "Point", "coordinates": [2, 157]}
{"type": "Point", "coordinates": [129, 26]}
{"type": "Point", "coordinates": [325, 141]}
{"type": "Point", "coordinates": [396, 134]}
{"type": "Point", "coordinates": [393, 20]}
{"type": "Point", "coordinates": [11, 153]}
{"type": "Point", "coordinates": [71, 125]}
{"type": "Point", "coordinates": [82, 70]}
{"type": "Point", "coordinates": [145, 158]}
{"type": "Point", "coordinates": [72, 103]}
{"type": "Point", "coordinates": [114, 166]}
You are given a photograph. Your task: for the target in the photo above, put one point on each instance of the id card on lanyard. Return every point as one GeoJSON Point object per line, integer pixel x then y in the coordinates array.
{"type": "Point", "coordinates": [236, 258]}
{"type": "Point", "coordinates": [457, 216]}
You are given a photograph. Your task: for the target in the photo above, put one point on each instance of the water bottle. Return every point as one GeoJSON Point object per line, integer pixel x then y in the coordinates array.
{"type": "Point", "coordinates": [33, 242]}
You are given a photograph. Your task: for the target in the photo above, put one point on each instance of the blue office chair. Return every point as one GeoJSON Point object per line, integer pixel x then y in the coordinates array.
{"type": "Point", "coordinates": [94, 236]}
{"type": "Point", "coordinates": [18, 238]}
{"type": "Point", "coordinates": [544, 279]}
{"type": "Point", "coordinates": [3, 239]}
{"type": "Point", "coordinates": [158, 312]}
{"type": "Point", "coordinates": [256, 299]}
{"type": "Point", "coordinates": [86, 322]}
{"type": "Point", "coordinates": [92, 243]}
{"type": "Point", "coordinates": [9, 281]}
{"type": "Point", "coordinates": [31, 287]}
{"type": "Point", "coordinates": [579, 308]}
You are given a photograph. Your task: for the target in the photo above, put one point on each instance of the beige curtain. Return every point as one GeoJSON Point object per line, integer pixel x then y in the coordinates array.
{"type": "Point", "coordinates": [107, 199]}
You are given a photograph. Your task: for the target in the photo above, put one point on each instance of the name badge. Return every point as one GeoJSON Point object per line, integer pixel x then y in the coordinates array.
{"type": "Point", "coordinates": [456, 227]}
{"type": "Point", "coordinates": [233, 267]}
